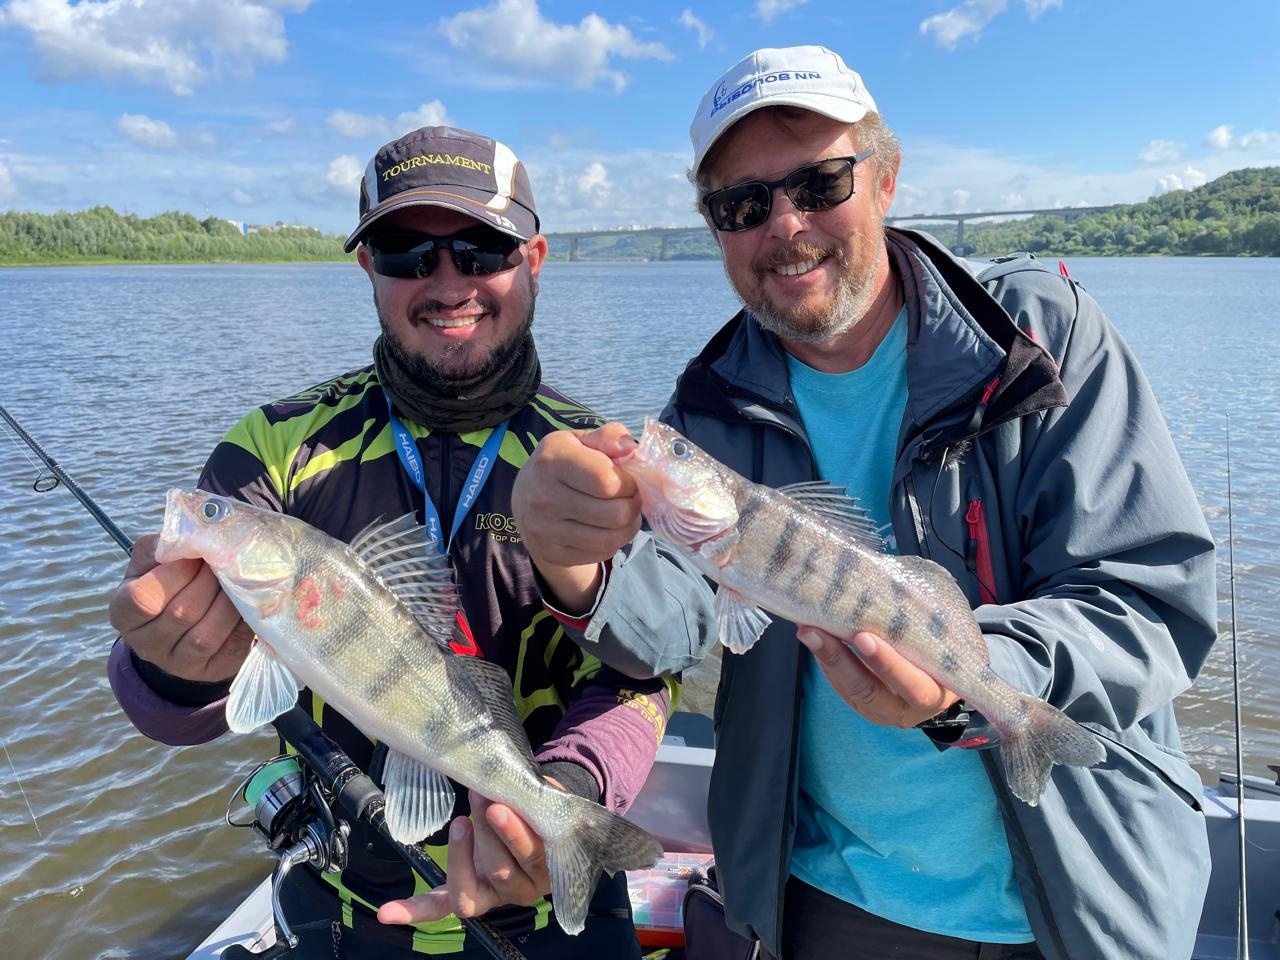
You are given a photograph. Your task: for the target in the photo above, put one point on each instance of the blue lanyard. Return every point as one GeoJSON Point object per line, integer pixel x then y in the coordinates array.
{"type": "Point", "coordinates": [407, 449]}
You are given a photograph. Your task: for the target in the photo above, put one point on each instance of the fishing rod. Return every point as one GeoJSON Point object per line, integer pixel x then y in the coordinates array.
{"type": "Point", "coordinates": [319, 840]}
{"type": "Point", "coordinates": [1243, 948]}
{"type": "Point", "coordinates": [42, 484]}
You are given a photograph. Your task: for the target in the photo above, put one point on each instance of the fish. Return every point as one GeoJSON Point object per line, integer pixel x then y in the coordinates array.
{"type": "Point", "coordinates": [367, 627]}
{"type": "Point", "coordinates": [808, 553]}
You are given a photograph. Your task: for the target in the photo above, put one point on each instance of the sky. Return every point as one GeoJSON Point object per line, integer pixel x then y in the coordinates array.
{"type": "Point", "coordinates": [266, 111]}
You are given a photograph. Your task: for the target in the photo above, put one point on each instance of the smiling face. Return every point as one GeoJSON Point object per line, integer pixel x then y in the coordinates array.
{"type": "Point", "coordinates": [452, 330]}
{"type": "Point", "coordinates": [808, 277]}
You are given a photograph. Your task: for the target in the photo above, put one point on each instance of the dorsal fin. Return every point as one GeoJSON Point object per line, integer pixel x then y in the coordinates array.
{"type": "Point", "coordinates": [412, 567]}
{"type": "Point", "coordinates": [494, 686]}
{"type": "Point", "coordinates": [837, 507]}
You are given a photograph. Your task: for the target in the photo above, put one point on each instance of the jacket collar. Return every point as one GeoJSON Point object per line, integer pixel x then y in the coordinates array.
{"type": "Point", "coordinates": [969, 366]}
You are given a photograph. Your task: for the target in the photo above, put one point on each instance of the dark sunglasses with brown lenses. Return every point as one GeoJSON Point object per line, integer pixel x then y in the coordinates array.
{"type": "Point", "coordinates": [811, 188]}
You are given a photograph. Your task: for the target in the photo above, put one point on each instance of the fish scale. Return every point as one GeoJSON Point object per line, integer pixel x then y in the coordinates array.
{"type": "Point", "coordinates": [367, 627]}
{"type": "Point", "coordinates": [809, 555]}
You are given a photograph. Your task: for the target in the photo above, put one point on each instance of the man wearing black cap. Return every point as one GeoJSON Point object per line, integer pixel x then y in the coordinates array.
{"type": "Point", "coordinates": [438, 424]}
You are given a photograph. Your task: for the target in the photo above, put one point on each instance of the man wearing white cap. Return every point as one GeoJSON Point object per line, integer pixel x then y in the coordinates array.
{"type": "Point", "coordinates": [988, 417]}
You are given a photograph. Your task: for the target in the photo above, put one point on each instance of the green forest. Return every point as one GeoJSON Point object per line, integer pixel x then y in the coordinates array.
{"type": "Point", "coordinates": [101, 235]}
{"type": "Point", "coordinates": [1236, 215]}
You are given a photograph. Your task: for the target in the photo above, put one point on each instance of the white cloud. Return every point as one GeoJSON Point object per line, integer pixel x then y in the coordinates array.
{"type": "Point", "coordinates": [594, 185]}
{"type": "Point", "coordinates": [344, 174]}
{"type": "Point", "coordinates": [1187, 180]}
{"type": "Point", "coordinates": [1161, 151]}
{"type": "Point", "coordinates": [766, 10]}
{"type": "Point", "coordinates": [1037, 7]}
{"type": "Point", "coordinates": [241, 198]}
{"type": "Point", "coordinates": [1219, 137]}
{"type": "Point", "coordinates": [360, 126]}
{"type": "Point", "coordinates": [960, 199]}
{"type": "Point", "coordinates": [690, 20]}
{"type": "Point", "coordinates": [281, 128]}
{"type": "Point", "coordinates": [150, 133]}
{"type": "Point", "coordinates": [1260, 139]}
{"type": "Point", "coordinates": [580, 188]}
{"type": "Point", "coordinates": [172, 43]}
{"type": "Point", "coordinates": [967, 19]}
{"type": "Point", "coordinates": [537, 51]}
{"type": "Point", "coordinates": [970, 17]}
{"type": "Point", "coordinates": [932, 170]}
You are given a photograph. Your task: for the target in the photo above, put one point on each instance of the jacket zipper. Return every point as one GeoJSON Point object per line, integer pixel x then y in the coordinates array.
{"type": "Point", "coordinates": [977, 554]}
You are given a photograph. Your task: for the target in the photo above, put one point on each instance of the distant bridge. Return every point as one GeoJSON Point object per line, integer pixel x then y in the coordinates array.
{"type": "Point", "coordinates": [1070, 214]}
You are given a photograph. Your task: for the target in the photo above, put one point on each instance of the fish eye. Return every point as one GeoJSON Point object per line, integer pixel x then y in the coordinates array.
{"type": "Point", "coordinates": [213, 510]}
{"type": "Point", "coordinates": [681, 449]}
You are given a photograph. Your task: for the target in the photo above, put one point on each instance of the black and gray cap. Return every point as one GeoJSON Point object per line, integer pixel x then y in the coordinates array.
{"type": "Point", "coordinates": [447, 167]}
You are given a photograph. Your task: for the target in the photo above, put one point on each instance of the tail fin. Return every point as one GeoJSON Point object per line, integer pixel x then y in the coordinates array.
{"type": "Point", "coordinates": [600, 840]}
{"type": "Point", "coordinates": [1048, 737]}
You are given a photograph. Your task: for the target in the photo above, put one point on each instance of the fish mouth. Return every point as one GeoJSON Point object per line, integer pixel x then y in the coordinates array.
{"type": "Point", "coordinates": [177, 527]}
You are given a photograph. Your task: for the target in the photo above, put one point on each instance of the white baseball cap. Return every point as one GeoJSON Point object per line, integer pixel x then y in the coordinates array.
{"type": "Point", "coordinates": [810, 77]}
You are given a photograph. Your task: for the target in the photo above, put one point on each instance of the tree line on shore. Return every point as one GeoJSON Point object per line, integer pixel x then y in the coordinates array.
{"type": "Point", "coordinates": [1237, 214]}
{"type": "Point", "coordinates": [103, 235]}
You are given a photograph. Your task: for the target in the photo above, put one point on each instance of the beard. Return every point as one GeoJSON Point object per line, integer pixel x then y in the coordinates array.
{"type": "Point", "coordinates": [854, 293]}
{"type": "Point", "coordinates": [461, 366]}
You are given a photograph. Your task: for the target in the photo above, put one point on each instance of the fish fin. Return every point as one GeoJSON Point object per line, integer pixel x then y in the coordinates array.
{"type": "Point", "coordinates": [837, 507]}
{"type": "Point", "coordinates": [740, 622]}
{"type": "Point", "coordinates": [494, 686]}
{"type": "Point", "coordinates": [719, 549]}
{"type": "Point", "coordinates": [262, 690]}
{"type": "Point", "coordinates": [1047, 737]}
{"type": "Point", "coordinates": [419, 799]}
{"type": "Point", "coordinates": [599, 841]}
{"type": "Point", "coordinates": [412, 567]}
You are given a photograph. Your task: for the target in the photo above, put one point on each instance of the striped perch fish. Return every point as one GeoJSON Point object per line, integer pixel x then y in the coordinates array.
{"type": "Point", "coordinates": [367, 627]}
{"type": "Point", "coordinates": [809, 554]}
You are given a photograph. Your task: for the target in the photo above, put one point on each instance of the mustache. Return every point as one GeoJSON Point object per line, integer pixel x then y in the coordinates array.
{"type": "Point", "coordinates": [796, 253]}
{"type": "Point", "coordinates": [426, 307]}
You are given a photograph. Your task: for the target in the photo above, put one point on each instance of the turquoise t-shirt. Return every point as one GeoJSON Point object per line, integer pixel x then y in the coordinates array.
{"type": "Point", "coordinates": [885, 820]}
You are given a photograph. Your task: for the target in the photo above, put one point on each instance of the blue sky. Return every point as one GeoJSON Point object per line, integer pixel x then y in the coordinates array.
{"type": "Point", "coordinates": [266, 110]}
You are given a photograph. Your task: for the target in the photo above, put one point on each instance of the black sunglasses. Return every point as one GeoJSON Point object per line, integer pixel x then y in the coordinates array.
{"type": "Point", "coordinates": [811, 188]}
{"type": "Point", "coordinates": [475, 253]}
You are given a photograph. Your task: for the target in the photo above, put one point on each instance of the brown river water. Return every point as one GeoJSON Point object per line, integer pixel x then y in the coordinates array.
{"type": "Point", "coordinates": [112, 846]}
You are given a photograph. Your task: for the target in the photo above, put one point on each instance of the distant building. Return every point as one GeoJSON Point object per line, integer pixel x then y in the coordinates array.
{"type": "Point", "coordinates": [239, 225]}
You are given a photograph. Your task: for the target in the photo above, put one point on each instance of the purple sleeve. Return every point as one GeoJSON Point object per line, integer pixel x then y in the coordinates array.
{"type": "Point", "coordinates": [156, 717]}
{"type": "Point", "coordinates": [612, 728]}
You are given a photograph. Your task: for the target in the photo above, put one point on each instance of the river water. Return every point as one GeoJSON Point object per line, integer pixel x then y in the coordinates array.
{"type": "Point", "coordinates": [112, 846]}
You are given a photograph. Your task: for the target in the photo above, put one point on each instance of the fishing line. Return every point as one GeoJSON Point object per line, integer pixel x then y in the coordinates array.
{"type": "Point", "coordinates": [1243, 920]}
{"type": "Point", "coordinates": [18, 780]}
{"type": "Point", "coordinates": [42, 483]}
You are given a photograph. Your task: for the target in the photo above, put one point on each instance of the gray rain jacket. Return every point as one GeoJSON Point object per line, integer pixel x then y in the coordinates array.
{"type": "Point", "coordinates": [1035, 466]}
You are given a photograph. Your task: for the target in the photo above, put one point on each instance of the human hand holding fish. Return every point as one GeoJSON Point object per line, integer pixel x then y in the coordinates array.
{"type": "Point", "coordinates": [495, 859]}
{"type": "Point", "coordinates": [176, 616]}
{"type": "Point", "coordinates": [883, 686]}
{"type": "Point", "coordinates": [575, 508]}
{"type": "Point", "coordinates": [367, 626]}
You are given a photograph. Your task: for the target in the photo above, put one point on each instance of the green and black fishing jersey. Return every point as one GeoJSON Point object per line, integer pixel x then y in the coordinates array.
{"type": "Point", "coordinates": [328, 457]}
